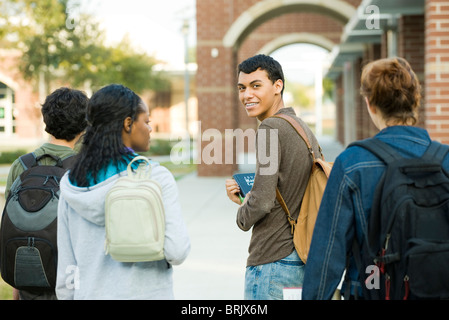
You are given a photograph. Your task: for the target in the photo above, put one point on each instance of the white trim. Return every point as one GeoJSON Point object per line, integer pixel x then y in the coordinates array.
{"type": "Point", "coordinates": [297, 37]}
{"type": "Point", "coordinates": [340, 9]}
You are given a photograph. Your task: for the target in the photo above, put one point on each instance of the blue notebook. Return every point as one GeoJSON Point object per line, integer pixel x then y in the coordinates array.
{"type": "Point", "coordinates": [245, 182]}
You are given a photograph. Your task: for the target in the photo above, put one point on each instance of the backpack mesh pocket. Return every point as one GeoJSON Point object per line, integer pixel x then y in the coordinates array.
{"type": "Point", "coordinates": [29, 270]}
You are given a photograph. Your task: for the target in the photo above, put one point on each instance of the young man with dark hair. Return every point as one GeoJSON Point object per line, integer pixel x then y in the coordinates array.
{"type": "Point", "coordinates": [64, 115]}
{"type": "Point", "coordinates": [273, 263]}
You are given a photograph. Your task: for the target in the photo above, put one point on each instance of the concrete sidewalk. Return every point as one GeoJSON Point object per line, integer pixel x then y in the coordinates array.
{"type": "Point", "coordinates": [215, 268]}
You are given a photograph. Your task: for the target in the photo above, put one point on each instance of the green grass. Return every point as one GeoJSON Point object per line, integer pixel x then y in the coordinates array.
{"type": "Point", "coordinates": [179, 170]}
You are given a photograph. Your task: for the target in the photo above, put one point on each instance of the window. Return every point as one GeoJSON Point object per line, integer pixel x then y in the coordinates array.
{"type": "Point", "coordinates": [7, 104]}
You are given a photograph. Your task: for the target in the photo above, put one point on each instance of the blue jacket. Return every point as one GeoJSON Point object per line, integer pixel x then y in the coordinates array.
{"type": "Point", "coordinates": [346, 205]}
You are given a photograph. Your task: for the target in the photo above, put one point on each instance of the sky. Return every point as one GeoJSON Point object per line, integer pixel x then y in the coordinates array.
{"type": "Point", "coordinates": [154, 26]}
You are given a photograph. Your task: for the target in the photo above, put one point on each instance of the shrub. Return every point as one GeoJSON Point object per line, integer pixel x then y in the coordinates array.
{"type": "Point", "coordinates": [8, 157]}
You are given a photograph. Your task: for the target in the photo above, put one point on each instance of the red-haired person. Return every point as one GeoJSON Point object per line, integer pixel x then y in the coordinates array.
{"type": "Point", "coordinates": [392, 94]}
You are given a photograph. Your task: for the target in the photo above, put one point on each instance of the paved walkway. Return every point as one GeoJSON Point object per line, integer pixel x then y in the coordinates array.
{"type": "Point", "coordinates": [215, 268]}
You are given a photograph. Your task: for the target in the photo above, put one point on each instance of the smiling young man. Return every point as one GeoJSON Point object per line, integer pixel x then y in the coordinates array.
{"type": "Point", "coordinates": [273, 263]}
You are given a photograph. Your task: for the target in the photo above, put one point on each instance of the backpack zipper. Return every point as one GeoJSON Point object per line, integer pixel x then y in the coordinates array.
{"type": "Point", "coordinates": [32, 241]}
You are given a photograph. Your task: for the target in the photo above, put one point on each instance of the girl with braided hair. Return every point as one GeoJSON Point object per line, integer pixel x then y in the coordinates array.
{"type": "Point", "coordinates": [118, 127]}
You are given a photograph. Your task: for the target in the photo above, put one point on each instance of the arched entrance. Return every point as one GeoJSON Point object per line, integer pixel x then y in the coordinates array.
{"type": "Point", "coordinates": [265, 10]}
{"type": "Point", "coordinates": [229, 33]}
{"type": "Point", "coordinates": [297, 37]}
{"type": "Point", "coordinates": [304, 65]}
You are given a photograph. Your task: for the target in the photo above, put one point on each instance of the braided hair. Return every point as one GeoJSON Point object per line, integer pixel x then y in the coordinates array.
{"type": "Point", "coordinates": [102, 142]}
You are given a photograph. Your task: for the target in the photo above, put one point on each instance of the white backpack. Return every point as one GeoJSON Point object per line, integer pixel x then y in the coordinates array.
{"type": "Point", "coordinates": [135, 217]}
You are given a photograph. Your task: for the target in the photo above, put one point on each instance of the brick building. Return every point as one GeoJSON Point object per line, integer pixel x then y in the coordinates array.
{"type": "Point", "coordinates": [354, 31]}
{"type": "Point", "coordinates": [21, 123]}
{"type": "Point", "coordinates": [19, 104]}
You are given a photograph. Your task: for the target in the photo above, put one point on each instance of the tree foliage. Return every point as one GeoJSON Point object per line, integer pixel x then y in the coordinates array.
{"type": "Point", "coordinates": [57, 45]}
{"type": "Point", "coordinates": [300, 93]}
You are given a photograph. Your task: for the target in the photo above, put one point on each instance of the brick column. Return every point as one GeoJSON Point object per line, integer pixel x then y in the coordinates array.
{"type": "Point", "coordinates": [437, 69]}
{"type": "Point", "coordinates": [411, 46]}
{"type": "Point", "coordinates": [216, 88]}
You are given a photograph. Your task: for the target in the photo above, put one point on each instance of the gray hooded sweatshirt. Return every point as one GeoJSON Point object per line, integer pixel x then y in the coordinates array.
{"type": "Point", "coordinates": [85, 272]}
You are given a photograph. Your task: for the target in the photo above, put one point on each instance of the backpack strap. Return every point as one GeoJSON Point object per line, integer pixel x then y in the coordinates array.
{"type": "Point", "coordinates": [379, 149]}
{"type": "Point", "coordinates": [28, 160]}
{"type": "Point", "coordinates": [281, 200]}
{"type": "Point", "coordinates": [436, 151]}
{"type": "Point", "coordinates": [68, 162]}
{"type": "Point", "coordinates": [300, 132]}
{"type": "Point", "coordinates": [55, 158]}
{"type": "Point", "coordinates": [304, 137]}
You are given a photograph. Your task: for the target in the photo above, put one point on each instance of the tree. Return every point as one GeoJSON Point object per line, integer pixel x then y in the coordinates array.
{"type": "Point", "coordinates": [57, 45]}
{"type": "Point", "coordinates": [132, 69]}
{"type": "Point", "coordinates": [36, 28]}
{"type": "Point", "coordinates": [301, 94]}
{"type": "Point", "coordinates": [328, 87]}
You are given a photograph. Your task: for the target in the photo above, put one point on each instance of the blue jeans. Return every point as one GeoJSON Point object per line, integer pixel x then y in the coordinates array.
{"type": "Point", "coordinates": [267, 281]}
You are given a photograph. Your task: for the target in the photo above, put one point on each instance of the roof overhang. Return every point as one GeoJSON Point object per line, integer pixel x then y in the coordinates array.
{"type": "Point", "coordinates": [372, 19]}
{"type": "Point", "coordinates": [339, 55]}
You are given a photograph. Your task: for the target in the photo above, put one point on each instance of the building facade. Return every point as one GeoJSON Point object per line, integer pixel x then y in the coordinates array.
{"type": "Point", "coordinates": [354, 31]}
{"type": "Point", "coordinates": [20, 117]}
{"type": "Point", "coordinates": [21, 123]}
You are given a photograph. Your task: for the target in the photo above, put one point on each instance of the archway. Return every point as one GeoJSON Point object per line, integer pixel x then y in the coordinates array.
{"type": "Point", "coordinates": [247, 29]}
{"type": "Point", "coordinates": [267, 9]}
{"type": "Point", "coordinates": [303, 65]}
{"type": "Point", "coordinates": [297, 37]}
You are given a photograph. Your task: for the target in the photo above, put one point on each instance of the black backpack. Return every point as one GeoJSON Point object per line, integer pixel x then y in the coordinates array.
{"type": "Point", "coordinates": [28, 249]}
{"type": "Point", "coordinates": [406, 252]}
